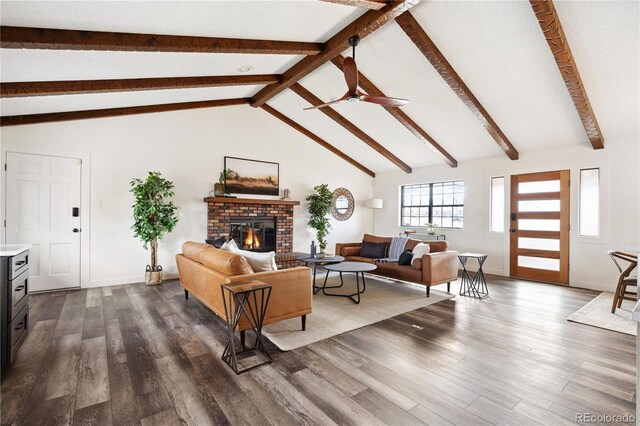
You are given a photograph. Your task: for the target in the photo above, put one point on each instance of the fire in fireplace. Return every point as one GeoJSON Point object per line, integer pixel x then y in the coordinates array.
{"type": "Point", "coordinates": [254, 234]}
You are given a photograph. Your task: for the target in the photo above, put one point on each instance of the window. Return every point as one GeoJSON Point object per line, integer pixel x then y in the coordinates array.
{"type": "Point", "coordinates": [497, 204]}
{"type": "Point", "coordinates": [589, 202]}
{"type": "Point", "coordinates": [439, 203]}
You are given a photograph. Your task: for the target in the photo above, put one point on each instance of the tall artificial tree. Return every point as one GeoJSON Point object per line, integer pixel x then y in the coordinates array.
{"type": "Point", "coordinates": [319, 209]}
{"type": "Point", "coordinates": [154, 214]}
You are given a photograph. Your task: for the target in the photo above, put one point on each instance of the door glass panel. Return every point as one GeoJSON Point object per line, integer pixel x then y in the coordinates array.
{"type": "Point", "coordinates": [539, 263]}
{"type": "Point", "coordinates": [539, 206]}
{"type": "Point", "coordinates": [539, 224]}
{"type": "Point", "coordinates": [539, 244]}
{"type": "Point", "coordinates": [541, 186]}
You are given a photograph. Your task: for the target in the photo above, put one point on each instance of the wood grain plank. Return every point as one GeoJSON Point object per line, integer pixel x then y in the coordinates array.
{"type": "Point", "coordinates": [384, 409]}
{"type": "Point", "coordinates": [62, 368]}
{"type": "Point", "coordinates": [98, 414]}
{"type": "Point", "coordinates": [93, 378]}
{"type": "Point", "coordinates": [332, 402]}
{"type": "Point", "coordinates": [185, 397]}
{"type": "Point", "coordinates": [165, 418]}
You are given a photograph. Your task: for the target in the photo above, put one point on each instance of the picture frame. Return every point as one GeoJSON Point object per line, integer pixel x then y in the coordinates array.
{"type": "Point", "coordinates": [252, 177]}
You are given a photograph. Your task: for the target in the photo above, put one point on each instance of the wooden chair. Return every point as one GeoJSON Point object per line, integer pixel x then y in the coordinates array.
{"type": "Point", "coordinates": [624, 280]}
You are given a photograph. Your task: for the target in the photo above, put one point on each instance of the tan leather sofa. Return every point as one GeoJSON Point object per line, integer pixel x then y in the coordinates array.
{"type": "Point", "coordinates": [439, 266]}
{"type": "Point", "coordinates": [203, 269]}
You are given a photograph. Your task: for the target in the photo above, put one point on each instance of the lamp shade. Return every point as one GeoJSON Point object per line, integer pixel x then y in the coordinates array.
{"type": "Point", "coordinates": [374, 203]}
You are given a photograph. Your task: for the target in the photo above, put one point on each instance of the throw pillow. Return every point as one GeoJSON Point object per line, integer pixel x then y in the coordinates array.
{"type": "Point", "coordinates": [405, 258]}
{"type": "Point", "coordinates": [216, 242]}
{"type": "Point", "coordinates": [229, 245]}
{"type": "Point", "coordinates": [259, 262]}
{"type": "Point", "coordinates": [373, 250]}
{"type": "Point", "coordinates": [419, 250]}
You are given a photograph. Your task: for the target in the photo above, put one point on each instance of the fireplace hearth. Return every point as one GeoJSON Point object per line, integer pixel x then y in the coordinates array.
{"type": "Point", "coordinates": [253, 233]}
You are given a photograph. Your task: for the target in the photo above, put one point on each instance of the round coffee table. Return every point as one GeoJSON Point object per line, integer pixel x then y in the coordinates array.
{"type": "Point", "coordinates": [357, 268]}
{"type": "Point", "coordinates": [322, 261]}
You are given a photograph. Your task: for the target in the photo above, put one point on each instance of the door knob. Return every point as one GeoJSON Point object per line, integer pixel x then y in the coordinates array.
{"type": "Point", "coordinates": [77, 230]}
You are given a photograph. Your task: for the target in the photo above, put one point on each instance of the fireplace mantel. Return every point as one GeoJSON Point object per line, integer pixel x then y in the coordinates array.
{"type": "Point", "coordinates": [229, 200]}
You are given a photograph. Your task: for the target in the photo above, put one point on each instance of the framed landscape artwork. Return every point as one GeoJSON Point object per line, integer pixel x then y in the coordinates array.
{"type": "Point", "coordinates": [252, 177]}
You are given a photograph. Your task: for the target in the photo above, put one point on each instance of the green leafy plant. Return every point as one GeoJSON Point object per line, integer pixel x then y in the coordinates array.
{"type": "Point", "coordinates": [154, 216]}
{"type": "Point", "coordinates": [319, 209]}
{"type": "Point", "coordinates": [226, 174]}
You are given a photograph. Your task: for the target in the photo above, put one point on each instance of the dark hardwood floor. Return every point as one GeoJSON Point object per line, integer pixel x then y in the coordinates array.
{"type": "Point", "coordinates": [143, 355]}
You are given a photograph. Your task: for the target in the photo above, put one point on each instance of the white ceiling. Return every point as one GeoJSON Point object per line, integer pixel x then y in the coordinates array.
{"type": "Point", "coordinates": [496, 47]}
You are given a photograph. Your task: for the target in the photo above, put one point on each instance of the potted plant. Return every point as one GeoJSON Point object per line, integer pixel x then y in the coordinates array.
{"type": "Point", "coordinates": [319, 209]}
{"type": "Point", "coordinates": [218, 187]}
{"type": "Point", "coordinates": [154, 217]}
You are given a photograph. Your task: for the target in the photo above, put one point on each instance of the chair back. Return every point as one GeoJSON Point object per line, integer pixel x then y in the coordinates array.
{"type": "Point", "coordinates": [618, 256]}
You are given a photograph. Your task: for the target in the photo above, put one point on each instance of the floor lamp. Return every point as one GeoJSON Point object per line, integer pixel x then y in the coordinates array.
{"type": "Point", "coordinates": [374, 204]}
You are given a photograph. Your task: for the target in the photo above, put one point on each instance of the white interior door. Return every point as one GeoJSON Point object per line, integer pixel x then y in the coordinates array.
{"type": "Point", "coordinates": [42, 192]}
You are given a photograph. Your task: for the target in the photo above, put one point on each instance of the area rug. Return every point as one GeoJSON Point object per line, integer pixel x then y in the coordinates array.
{"type": "Point", "coordinates": [597, 313]}
{"type": "Point", "coordinates": [335, 315]}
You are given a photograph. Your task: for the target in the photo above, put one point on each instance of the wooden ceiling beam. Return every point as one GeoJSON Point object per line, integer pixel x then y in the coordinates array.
{"type": "Point", "coordinates": [352, 128]}
{"type": "Point", "coordinates": [45, 38]}
{"type": "Point", "coordinates": [366, 4]}
{"type": "Point", "coordinates": [316, 138]}
{"type": "Point", "coordinates": [17, 120]}
{"type": "Point", "coordinates": [559, 45]}
{"type": "Point", "coordinates": [365, 25]}
{"type": "Point", "coordinates": [397, 113]}
{"type": "Point", "coordinates": [426, 46]}
{"type": "Point", "coordinates": [44, 88]}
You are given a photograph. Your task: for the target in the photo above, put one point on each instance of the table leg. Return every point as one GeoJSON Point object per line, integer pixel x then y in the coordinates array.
{"type": "Point", "coordinates": [358, 292]}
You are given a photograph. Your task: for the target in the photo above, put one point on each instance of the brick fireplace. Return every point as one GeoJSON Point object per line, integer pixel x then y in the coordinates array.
{"type": "Point", "coordinates": [222, 211]}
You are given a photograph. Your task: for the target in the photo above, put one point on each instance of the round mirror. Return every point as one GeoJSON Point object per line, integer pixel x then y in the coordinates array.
{"type": "Point", "coordinates": [343, 204]}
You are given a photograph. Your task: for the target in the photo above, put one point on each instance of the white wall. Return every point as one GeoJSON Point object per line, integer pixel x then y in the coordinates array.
{"type": "Point", "coordinates": [590, 266]}
{"type": "Point", "coordinates": [188, 147]}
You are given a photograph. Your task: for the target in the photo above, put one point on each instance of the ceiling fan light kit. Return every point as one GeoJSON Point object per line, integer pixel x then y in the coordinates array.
{"type": "Point", "coordinates": [350, 70]}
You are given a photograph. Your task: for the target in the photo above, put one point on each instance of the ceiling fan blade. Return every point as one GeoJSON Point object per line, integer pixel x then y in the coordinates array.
{"type": "Point", "coordinates": [384, 101]}
{"type": "Point", "coordinates": [350, 70]}
{"type": "Point", "coordinates": [327, 104]}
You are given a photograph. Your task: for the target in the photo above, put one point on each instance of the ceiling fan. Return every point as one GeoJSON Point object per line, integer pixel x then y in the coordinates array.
{"type": "Point", "coordinates": [350, 71]}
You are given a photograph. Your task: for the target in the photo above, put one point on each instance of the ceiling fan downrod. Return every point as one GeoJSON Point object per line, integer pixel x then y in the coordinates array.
{"type": "Point", "coordinates": [353, 42]}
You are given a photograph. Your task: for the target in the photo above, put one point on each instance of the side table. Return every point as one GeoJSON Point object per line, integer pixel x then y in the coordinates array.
{"type": "Point", "coordinates": [475, 286]}
{"type": "Point", "coordinates": [249, 299]}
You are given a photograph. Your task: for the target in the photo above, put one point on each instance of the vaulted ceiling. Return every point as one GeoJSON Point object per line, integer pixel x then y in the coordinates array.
{"type": "Point", "coordinates": [492, 86]}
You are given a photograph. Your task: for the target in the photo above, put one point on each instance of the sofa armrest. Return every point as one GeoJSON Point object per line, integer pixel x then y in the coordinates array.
{"type": "Point", "coordinates": [350, 251]}
{"type": "Point", "coordinates": [440, 267]}
{"type": "Point", "coordinates": [291, 293]}
{"type": "Point", "coordinates": [341, 246]}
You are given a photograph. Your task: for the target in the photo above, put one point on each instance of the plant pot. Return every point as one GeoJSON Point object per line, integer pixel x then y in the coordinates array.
{"type": "Point", "coordinates": [218, 189]}
{"type": "Point", "coordinates": [153, 277]}
{"type": "Point", "coordinates": [431, 230]}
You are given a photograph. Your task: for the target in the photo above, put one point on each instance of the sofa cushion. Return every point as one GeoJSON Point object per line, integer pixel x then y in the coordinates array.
{"type": "Point", "coordinates": [193, 250]}
{"type": "Point", "coordinates": [350, 251]}
{"type": "Point", "coordinates": [420, 250]}
{"type": "Point", "coordinates": [358, 259]}
{"type": "Point", "coordinates": [373, 250]}
{"type": "Point", "coordinates": [405, 258]}
{"type": "Point", "coordinates": [393, 270]}
{"type": "Point", "coordinates": [434, 246]}
{"type": "Point", "coordinates": [225, 262]}
{"type": "Point", "coordinates": [376, 239]}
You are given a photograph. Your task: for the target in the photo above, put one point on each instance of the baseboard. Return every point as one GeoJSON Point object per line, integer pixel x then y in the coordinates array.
{"type": "Point", "coordinates": [126, 280]}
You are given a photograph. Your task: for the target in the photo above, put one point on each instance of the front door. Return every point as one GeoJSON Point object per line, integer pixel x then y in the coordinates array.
{"type": "Point", "coordinates": [42, 208]}
{"type": "Point", "coordinates": [540, 227]}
